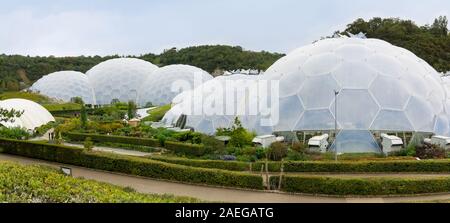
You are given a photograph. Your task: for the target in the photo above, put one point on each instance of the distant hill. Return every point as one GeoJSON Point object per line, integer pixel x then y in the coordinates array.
{"type": "Point", "coordinates": [16, 68]}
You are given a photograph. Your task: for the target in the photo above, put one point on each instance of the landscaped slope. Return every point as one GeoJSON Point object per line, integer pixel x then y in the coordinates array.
{"type": "Point", "coordinates": [39, 184]}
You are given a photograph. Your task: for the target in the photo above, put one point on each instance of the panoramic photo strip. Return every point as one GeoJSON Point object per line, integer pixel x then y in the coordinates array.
{"type": "Point", "coordinates": [232, 111]}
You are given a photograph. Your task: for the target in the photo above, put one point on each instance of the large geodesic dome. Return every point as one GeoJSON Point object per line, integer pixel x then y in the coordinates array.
{"type": "Point", "coordinates": [214, 104]}
{"type": "Point", "coordinates": [380, 87]}
{"type": "Point", "coordinates": [119, 78]}
{"type": "Point", "coordinates": [65, 85]}
{"type": "Point", "coordinates": [34, 115]}
{"type": "Point", "coordinates": [167, 82]}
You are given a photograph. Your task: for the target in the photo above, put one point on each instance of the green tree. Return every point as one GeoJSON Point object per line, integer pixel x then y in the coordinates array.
{"type": "Point", "coordinates": [83, 117]}
{"type": "Point", "coordinates": [131, 111]}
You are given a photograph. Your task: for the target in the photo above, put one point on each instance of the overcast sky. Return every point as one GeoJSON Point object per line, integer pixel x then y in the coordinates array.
{"type": "Point", "coordinates": [134, 27]}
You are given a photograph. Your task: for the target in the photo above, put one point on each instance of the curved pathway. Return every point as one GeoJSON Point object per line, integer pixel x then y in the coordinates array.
{"type": "Point", "coordinates": [213, 194]}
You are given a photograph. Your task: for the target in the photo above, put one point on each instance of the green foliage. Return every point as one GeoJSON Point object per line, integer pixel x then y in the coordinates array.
{"type": "Point", "coordinates": [41, 99]}
{"type": "Point", "coordinates": [185, 148]}
{"type": "Point", "coordinates": [88, 144]}
{"type": "Point", "coordinates": [80, 137]}
{"type": "Point", "coordinates": [240, 137]}
{"type": "Point", "coordinates": [277, 151]}
{"type": "Point", "coordinates": [210, 164]}
{"type": "Point", "coordinates": [392, 166]}
{"type": "Point", "coordinates": [156, 114]}
{"type": "Point", "coordinates": [83, 117]}
{"type": "Point", "coordinates": [130, 165]}
{"type": "Point", "coordinates": [14, 133]}
{"type": "Point", "coordinates": [9, 115]}
{"type": "Point", "coordinates": [131, 110]}
{"type": "Point", "coordinates": [362, 186]}
{"type": "Point", "coordinates": [77, 100]}
{"type": "Point", "coordinates": [191, 137]}
{"type": "Point", "coordinates": [31, 184]}
{"type": "Point", "coordinates": [431, 43]}
{"type": "Point", "coordinates": [209, 58]}
{"type": "Point", "coordinates": [218, 57]}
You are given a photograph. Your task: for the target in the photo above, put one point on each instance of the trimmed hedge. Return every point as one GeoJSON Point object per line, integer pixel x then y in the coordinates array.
{"type": "Point", "coordinates": [361, 186]}
{"type": "Point", "coordinates": [185, 148]}
{"type": "Point", "coordinates": [130, 165]}
{"type": "Point", "coordinates": [113, 139]}
{"type": "Point", "coordinates": [212, 164]}
{"type": "Point", "coordinates": [177, 147]}
{"type": "Point", "coordinates": [370, 166]}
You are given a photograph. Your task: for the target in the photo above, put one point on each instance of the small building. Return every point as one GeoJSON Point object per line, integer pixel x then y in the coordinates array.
{"type": "Point", "coordinates": [441, 141]}
{"type": "Point", "coordinates": [134, 122]}
{"type": "Point", "coordinates": [319, 143]}
{"type": "Point", "coordinates": [391, 143]}
{"type": "Point", "coordinates": [266, 140]}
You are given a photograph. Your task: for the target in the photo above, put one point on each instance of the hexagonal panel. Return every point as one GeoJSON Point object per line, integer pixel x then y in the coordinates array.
{"type": "Point", "coordinates": [290, 111]}
{"type": "Point", "coordinates": [386, 65]}
{"type": "Point", "coordinates": [351, 141]}
{"type": "Point", "coordinates": [356, 109]}
{"type": "Point", "coordinates": [390, 120]}
{"type": "Point", "coordinates": [316, 120]}
{"type": "Point", "coordinates": [353, 52]}
{"type": "Point", "coordinates": [420, 113]}
{"type": "Point", "coordinates": [318, 92]}
{"type": "Point", "coordinates": [354, 75]}
{"type": "Point", "coordinates": [291, 83]}
{"type": "Point", "coordinates": [321, 64]}
{"type": "Point", "coordinates": [442, 126]}
{"type": "Point", "coordinates": [389, 92]}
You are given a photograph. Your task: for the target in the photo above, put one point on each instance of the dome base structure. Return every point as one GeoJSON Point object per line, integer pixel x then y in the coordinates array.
{"type": "Point", "coordinates": [355, 141]}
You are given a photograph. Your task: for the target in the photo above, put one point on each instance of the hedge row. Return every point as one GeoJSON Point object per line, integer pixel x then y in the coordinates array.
{"type": "Point", "coordinates": [113, 139]}
{"type": "Point", "coordinates": [369, 166]}
{"type": "Point", "coordinates": [212, 164]}
{"type": "Point", "coordinates": [130, 165]}
{"type": "Point", "coordinates": [185, 148]}
{"type": "Point", "coordinates": [176, 147]}
{"type": "Point", "coordinates": [361, 186]}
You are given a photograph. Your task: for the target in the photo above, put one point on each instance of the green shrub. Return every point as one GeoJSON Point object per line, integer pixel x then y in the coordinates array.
{"type": "Point", "coordinates": [88, 144]}
{"type": "Point", "coordinates": [240, 137]}
{"type": "Point", "coordinates": [14, 133]}
{"type": "Point", "coordinates": [361, 186]}
{"type": "Point", "coordinates": [185, 148]}
{"type": "Point", "coordinates": [368, 166]}
{"type": "Point", "coordinates": [80, 137]}
{"type": "Point", "coordinates": [212, 164]}
{"type": "Point", "coordinates": [130, 165]}
{"type": "Point", "coordinates": [277, 151]}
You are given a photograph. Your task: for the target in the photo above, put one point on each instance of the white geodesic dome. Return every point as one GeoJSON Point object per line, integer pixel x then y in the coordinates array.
{"type": "Point", "coordinates": [34, 115]}
{"type": "Point", "coordinates": [166, 82]}
{"type": "Point", "coordinates": [119, 78]}
{"type": "Point", "coordinates": [65, 85]}
{"type": "Point", "coordinates": [381, 87]}
{"type": "Point", "coordinates": [214, 104]}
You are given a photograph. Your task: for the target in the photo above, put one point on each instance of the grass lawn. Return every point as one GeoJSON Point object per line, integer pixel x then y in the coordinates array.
{"type": "Point", "coordinates": [158, 113]}
{"type": "Point", "coordinates": [38, 184]}
{"type": "Point", "coordinates": [40, 99]}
